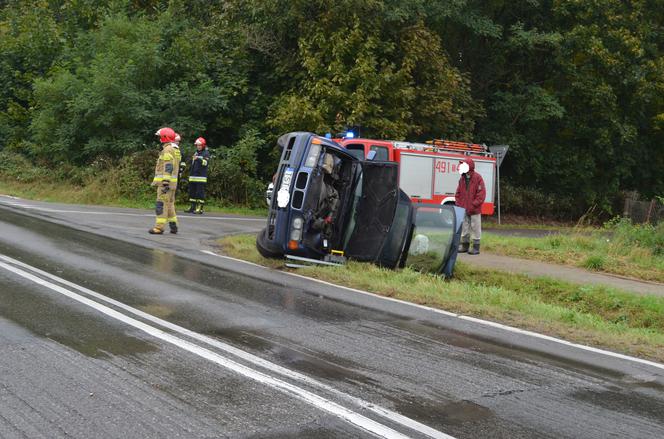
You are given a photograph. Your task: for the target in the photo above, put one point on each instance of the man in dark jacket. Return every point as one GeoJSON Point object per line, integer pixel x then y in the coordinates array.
{"type": "Point", "coordinates": [470, 195]}
{"type": "Point", "coordinates": [198, 176]}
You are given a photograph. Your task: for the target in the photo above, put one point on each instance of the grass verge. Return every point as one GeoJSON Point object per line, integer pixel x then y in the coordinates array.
{"type": "Point", "coordinates": [94, 195]}
{"type": "Point", "coordinates": [605, 250]}
{"type": "Point", "coordinates": [592, 315]}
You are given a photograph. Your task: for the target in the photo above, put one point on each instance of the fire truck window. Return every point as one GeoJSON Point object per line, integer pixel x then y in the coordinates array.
{"type": "Point", "coordinates": [382, 154]}
{"type": "Point", "coordinates": [356, 150]}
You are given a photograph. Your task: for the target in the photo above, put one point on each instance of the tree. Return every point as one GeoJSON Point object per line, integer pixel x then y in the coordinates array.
{"type": "Point", "coordinates": [121, 82]}
{"type": "Point", "coordinates": [344, 67]}
{"type": "Point", "coordinates": [30, 41]}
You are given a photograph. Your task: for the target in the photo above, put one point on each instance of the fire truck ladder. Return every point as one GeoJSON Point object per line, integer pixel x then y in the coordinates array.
{"type": "Point", "coordinates": [439, 145]}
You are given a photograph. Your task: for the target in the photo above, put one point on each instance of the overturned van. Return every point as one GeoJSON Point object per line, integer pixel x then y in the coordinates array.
{"type": "Point", "coordinates": [327, 202]}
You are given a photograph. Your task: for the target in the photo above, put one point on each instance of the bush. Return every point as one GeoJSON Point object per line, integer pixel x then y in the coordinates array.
{"type": "Point", "coordinates": [134, 174]}
{"type": "Point", "coordinates": [637, 235]}
{"type": "Point", "coordinates": [532, 202]}
{"type": "Point", "coordinates": [594, 262]}
{"type": "Point", "coordinates": [20, 168]}
{"type": "Point", "coordinates": [233, 174]}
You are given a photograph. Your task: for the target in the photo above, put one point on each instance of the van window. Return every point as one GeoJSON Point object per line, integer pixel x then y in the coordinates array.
{"type": "Point", "coordinates": [382, 155]}
{"type": "Point", "coordinates": [356, 150]}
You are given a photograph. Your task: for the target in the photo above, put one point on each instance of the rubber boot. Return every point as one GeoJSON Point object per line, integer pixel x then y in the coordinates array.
{"type": "Point", "coordinates": [155, 231]}
{"type": "Point", "coordinates": [192, 208]}
{"type": "Point", "coordinates": [463, 247]}
{"type": "Point", "coordinates": [199, 208]}
{"type": "Point", "coordinates": [174, 227]}
{"type": "Point", "coordinates": [476, 248]}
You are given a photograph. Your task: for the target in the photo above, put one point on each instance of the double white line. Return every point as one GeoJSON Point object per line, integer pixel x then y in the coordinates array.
{"type": "Point", "coordinates": [353, 417]}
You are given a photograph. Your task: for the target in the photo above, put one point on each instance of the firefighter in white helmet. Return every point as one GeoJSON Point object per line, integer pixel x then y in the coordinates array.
{"type": "Point", "coordinates": [198, 176]}
{"type": "Point", "coordinates": [166, 180]}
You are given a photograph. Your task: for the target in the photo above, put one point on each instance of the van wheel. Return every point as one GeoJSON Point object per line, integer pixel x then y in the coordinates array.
{"type": "Point", "coordinates": [262, 248]}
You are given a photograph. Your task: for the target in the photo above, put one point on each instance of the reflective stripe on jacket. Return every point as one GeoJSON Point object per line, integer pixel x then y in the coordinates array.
{"type": "Point", "coordinates": [199, 166]}
{"type": "Point", "coordinates": [168, 164]}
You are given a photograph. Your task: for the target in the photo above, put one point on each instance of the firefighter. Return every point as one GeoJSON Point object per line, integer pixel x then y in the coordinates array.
{"type": "Point", "coordinates": [176, 146]}
{"type": "Point", "coordinates": [178, 154]}
{"type": "Point", "coordinates": [198, 176]}
{"type": "Point", "coordinates": [166, 180]}
{"type": "Point", "coordinates": [470, 195]}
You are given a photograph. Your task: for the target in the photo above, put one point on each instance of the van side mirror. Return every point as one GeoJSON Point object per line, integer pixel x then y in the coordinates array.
{"type": "Point", "coordinates": [371, 155]}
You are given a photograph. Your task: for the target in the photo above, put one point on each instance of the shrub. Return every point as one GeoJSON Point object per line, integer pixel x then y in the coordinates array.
{"type": "Point", "coordinates": [532, 202]}
{"type": "Point", "coordinates": [647, 236]}
{"type": "Point", "coordinates": [233, 173]}
{"type": "Point", "coordinates": [20, 168]}
{"type": "Point", "coordinates": [594, 262]}
{"type": "Point", "coordinates": [133, 174]}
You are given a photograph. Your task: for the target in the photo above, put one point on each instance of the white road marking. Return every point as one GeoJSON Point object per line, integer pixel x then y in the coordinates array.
{"type": "Point", "coordinates": [463, 317]}
{"type": "Point", "coordinates": [385, 413]}
{"type": "Point", "coordinates": [92, 212]}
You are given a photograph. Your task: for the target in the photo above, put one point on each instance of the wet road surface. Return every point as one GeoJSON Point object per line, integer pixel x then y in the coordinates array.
{"type": "Point", "coordinates": [105, 338]}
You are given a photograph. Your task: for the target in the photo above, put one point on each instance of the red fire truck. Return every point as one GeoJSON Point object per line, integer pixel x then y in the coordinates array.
{"type": "Point", "coordinates": [428, 171]}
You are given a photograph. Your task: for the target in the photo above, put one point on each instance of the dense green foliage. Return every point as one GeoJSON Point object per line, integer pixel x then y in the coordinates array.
{"type": "Point", "coordinates": [576, 88]}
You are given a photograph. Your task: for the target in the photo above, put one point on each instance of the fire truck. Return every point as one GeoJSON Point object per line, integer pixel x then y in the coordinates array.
{"type": "Point", "coordinates": [428, 171]}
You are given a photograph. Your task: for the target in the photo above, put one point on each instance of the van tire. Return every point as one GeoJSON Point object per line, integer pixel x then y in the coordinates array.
{"type": "Point", "coordinates": [262, 248]}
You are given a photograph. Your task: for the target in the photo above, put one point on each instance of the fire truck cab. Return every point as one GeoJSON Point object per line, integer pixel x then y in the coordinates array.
{"type": "Point", "coordinates": [428, 171]}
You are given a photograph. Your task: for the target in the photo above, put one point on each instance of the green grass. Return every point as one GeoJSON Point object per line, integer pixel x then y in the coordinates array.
{"type": "Point", "coordinates": [594, 262]}
{"type": "Point", "coordinates": [593, 315]}
{"type": "Point", "coordinates": [96, 194]}
{"type": "Point", "coordinates": [618, 250]}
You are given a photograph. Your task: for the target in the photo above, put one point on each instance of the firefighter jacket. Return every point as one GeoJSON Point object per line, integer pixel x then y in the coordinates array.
{"type": "Point", "coordinates": [168, 164]}
{"type": "Point", "coordinates": [199, 166]}
{"type": "Point", "coordinates": [470, 193]}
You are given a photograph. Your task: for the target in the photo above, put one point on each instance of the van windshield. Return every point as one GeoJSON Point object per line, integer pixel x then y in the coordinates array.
{"type": "Point", "coordinates": [432, 239]}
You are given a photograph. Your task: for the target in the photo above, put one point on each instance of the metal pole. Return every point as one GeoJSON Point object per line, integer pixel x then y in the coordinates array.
{"type": "Point", "coordinates": [499, 152]}
{"type": "Point", "coordinates": [498, 176]}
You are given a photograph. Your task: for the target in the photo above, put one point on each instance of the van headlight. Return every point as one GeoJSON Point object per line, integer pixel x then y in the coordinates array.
{"type": "Point", "coordinates": [296, 234]}
{"type": "Point", "coordinates": [296, 229]}
{"type": "Point", "coordinates": [312, 157]}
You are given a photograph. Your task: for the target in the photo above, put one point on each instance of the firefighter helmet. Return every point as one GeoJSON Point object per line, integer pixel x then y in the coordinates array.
{"type": "Point", "coordinates": [200, 141]}
{"type": "Point", "coordinates": [165, 134]}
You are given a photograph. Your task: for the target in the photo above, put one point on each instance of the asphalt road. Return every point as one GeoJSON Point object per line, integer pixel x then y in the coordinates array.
{"type": "Point", "coordinates": [141, 336]}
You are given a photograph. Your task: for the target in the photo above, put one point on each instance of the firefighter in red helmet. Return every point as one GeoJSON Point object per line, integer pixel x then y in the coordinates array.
{"type": "Point", "coordinates": [198, 176]}
{"type": "Point", "coordinates": [166, 180]}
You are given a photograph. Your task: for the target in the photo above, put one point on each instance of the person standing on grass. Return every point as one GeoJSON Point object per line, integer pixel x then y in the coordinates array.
{"type": "Point", "coordinates": [198, 176]}
{"type": "Point", "coordinates": [470, 195]}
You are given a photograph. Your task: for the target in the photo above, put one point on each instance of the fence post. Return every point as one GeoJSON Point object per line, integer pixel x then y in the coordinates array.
{"type": "Point", "coordinates": [652, 205]}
